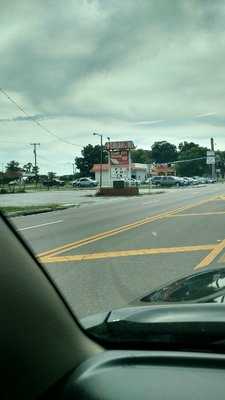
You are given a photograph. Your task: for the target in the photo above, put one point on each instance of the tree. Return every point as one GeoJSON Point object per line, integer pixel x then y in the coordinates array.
{"type": "Point", "coordinates": [90, 155]}
{"type": "Point", "coordinates": [164, 152]}
{"type": "Point", "coordinates": [51, 176]}
{"type": "Point", "coordinates": [35, 170]}
{"type": "Point", "coordinates": [13, 170]}
{"type": "Point", "coordinates": [141, 156]}
{"type": "Point", "coordinates": [28, 167]}
{"type": "Point", "coordinates": [190, 151]}
{"type": "Point", "coordinates": [220, 162]}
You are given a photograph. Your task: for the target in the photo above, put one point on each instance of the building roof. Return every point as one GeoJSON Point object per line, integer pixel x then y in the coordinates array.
{"type": "Point", "coordinates": [97, 167]}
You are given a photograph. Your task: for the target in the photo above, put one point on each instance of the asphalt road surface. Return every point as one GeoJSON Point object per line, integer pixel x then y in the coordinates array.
{"type": "Point", "coordinates": [105, 255]}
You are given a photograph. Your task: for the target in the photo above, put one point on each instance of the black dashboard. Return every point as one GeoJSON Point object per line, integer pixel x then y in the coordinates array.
{"type": "Point", "coordinates": [149, 375]}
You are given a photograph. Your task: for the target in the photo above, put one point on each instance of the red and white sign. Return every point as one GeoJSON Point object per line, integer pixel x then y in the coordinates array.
{"type": "Point", "coordinates": [122, 145]}
{"type": "Point", "coordinates": [120, 157]}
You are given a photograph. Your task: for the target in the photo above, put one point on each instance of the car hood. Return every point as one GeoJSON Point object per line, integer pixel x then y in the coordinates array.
{"type": "Point", "coordinates": [203, 287]}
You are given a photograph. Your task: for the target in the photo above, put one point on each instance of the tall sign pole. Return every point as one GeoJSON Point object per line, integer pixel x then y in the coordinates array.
{"type": "Point", "coordinates": [213, 164]}
{"type": "Point", "coordinates": [129, 166]}
{"type": "Point", "coordinates": [101, 156]}
{"type": "Point", "coordinates": [109, 162]}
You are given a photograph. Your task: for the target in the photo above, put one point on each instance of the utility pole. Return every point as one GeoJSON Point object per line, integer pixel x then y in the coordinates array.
{"type": "Point", "coordinates": [214, 164]}
{"type": "Point", "coordinates": [101, 156]}
{"type": "Point", "coordinates": [73, 164]}
{"type": "Point", "coordinates": [35, 158]}
{"type": "Point", "coordinates": [2, 174]}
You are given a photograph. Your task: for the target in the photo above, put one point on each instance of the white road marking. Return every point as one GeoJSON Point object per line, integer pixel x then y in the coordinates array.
{"type": "Point", "coordinates": [40, 225]}
{"type": "Point", "coordinates": [148, 203]}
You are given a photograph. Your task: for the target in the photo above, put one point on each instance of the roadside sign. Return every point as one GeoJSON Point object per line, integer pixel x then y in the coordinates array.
{"type": "Point", "coordinates": [122, 145]}
{"type": "Point", "coordinates": [210, 157]}
{"type": "Point", "coordinates": [120, 157]}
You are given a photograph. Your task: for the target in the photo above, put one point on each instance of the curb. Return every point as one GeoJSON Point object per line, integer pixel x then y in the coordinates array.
{"type": "Point", "coordinates": [40, 211]}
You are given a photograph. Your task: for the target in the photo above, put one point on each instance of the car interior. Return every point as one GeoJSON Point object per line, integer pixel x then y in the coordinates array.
{"type": "Point", "coordinates": [45, 353]}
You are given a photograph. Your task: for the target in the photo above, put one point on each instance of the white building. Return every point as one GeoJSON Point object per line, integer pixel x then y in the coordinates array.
{"type": "Point", "coordinates": [138, 171]}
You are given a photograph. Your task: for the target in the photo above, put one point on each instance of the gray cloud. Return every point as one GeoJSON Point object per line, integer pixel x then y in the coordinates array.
{"type": "Point", "coordinates": [142, 69]}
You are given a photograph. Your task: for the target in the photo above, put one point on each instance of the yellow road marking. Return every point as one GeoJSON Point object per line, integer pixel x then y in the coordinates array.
{"type": "Point", "coordinates": [220, 197]}
{"type": "Point", "coordinates": [123, 228]}
{"type": "Point", "coordinates": [197, 214]}
{"type": "Point", "coordinates": [211, 256]}
{"type": "Point", "coordinates": [222, 259]}
{"type": "Point", "coordinates": [127, 253]}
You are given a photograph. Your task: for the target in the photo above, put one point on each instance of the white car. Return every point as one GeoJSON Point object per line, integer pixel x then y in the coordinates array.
{"type": "Point", "coordinates": [85, 182]}
{"type": "Point", "coordinates": [133, 182]}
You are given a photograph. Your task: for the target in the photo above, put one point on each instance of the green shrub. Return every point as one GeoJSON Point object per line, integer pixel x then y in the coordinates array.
{"type": "Point", "coordinates": [3, 191]}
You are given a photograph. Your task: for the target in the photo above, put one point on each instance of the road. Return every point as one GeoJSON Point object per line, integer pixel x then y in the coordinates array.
{"type": "Point", "coordinates": [104, 255]}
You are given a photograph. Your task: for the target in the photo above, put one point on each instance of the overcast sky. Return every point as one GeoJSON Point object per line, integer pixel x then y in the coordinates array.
{"type": "Point", "coordinates": [133, 69]}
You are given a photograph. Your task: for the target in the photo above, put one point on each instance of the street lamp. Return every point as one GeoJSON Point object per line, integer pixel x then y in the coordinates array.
{"type": "Point", "coordinates": [101, 157]}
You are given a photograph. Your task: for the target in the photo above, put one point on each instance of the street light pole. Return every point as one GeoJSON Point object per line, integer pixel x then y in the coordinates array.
{"type": "Point", "coordinates": [101, 157]}
{"type": "Point", "coordinates": [213, 165]}
{"type": "Point", "coordinates": [73, 164]}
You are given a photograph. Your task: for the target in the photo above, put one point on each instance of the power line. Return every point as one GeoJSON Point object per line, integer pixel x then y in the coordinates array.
{"type": "Point", "coordinates": [39, 124]}
{"type": "Point", "coordinates": [188, 160]}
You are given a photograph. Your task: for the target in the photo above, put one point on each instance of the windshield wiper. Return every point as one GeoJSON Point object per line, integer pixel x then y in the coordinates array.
{"type": "Point", "coordinates": [195, 326]}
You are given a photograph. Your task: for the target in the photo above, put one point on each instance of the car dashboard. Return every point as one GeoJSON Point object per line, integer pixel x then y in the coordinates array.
{"type": "Point", "coordinates": [148, 375]}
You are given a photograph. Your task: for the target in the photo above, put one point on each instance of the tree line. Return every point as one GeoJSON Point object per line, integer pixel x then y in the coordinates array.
{"type": "Point", "coordinates": [161, 152]}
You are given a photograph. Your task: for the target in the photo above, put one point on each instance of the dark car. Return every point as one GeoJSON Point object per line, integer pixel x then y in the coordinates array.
{"type": "Point", "coordinates": [53, 182]}
{"type": "Point", "coordinates": [169, 181]}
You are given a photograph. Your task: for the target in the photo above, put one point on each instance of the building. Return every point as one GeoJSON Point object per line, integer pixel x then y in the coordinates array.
{"type": "Point", "coordinates": [162, 169]}
{"type": "Point", "coordinates": [120, 171]}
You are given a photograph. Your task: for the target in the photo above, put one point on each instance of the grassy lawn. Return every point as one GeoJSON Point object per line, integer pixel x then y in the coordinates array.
{"type": "Point", "coordinates": [9, 209]}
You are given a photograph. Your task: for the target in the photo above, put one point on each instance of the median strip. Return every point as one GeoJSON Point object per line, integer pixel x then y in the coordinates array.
{"type": "Point", "coordinates": [16, 211]}
{"type": "Point", "coordinates": [127, 253]}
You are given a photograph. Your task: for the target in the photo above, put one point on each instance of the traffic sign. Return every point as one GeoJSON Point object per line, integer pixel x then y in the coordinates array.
{"type": "Point", "coordinates": [210, 157]}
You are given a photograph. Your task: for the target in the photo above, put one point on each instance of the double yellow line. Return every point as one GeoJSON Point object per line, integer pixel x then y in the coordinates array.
{"type": "Point", "coordinates": [45, 256]}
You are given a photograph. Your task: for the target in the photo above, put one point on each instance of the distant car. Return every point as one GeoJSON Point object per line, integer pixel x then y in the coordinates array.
{"type": "Point", "coordinates": [169, 181]}
{"type": "Point", "coordinates": [148, 181]}
{"type": "Point", "coordinates": [211, 180]}
{"type": "Point", "coordinates": [85, 182]}
{"type": "Point", "coordinates": [156, 180]}
{"type": "Point", "coordinates": [14, 182]}
{"type": "Point", "coordinates": [133, 181]}
{"type": "Point", "coordinates": [187, 181]}
{"type": "Point", "coordinates": [53, 182]}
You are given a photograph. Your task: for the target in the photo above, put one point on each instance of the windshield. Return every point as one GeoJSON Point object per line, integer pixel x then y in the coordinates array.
{"type": "Point", "coordinates": [112, 148]}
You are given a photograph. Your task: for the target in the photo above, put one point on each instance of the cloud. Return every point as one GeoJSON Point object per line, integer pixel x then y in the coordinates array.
{"type": "Point", "coordinates": [146, 70]}
{"type": "Point", "coordinates": [147, 123]}
{"type": "Point", "coordinates": [209, 114]}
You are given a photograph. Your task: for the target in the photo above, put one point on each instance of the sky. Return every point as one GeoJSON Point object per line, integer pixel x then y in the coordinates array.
{"type": "Point", "coordinates": [141, 70]}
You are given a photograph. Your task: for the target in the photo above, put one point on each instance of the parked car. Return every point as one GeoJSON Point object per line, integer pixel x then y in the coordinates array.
{"type": "Point", "coordinates": [211, 180]}
{"type": "Point", "coordinates": [85, 182]}
{"type": "Point", "coordinates": [53, 182]}
{"type": "Point", "coordinates": [148, 181]}
{"type": "Point", "coordinates": [15, 182]}
{"type": "Point", "coordinates": [172, 181]}
{"type": "Point", "coordinates": [133, 181]}
{"type": "Point", "coordinates": [156, 180]}
{"type": "Point", "coordinates": [187, 181]}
